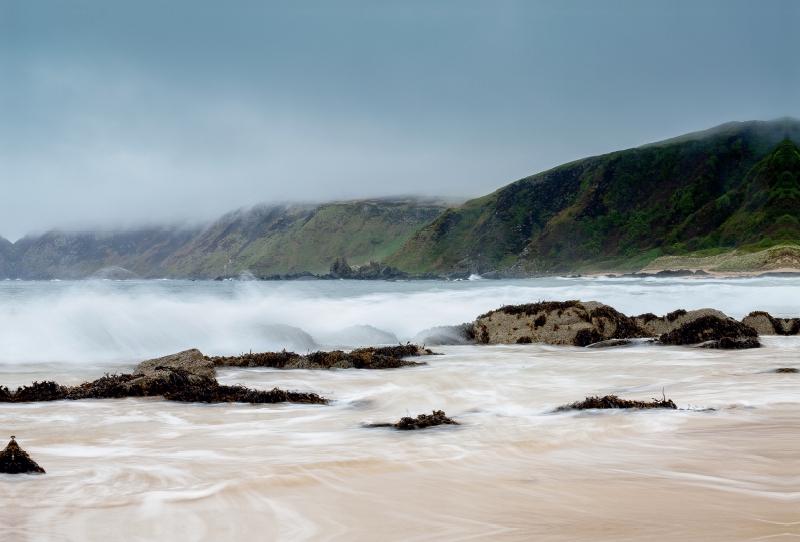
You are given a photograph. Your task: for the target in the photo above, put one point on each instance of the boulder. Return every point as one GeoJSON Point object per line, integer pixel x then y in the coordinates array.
{"type": "Point", "coordinates": [716, 332]}
{"type": "Point", "coordinates": [764, 324]}
{"type": "Point", "coordinates": [445, 335]}
{"type": "Point", "coordinates": [15, 460]}
{"type": "Point", "coordinates": [192, 361]}
{"type": "Point", "coordinates": [555, 322]}
{"type": "Point", "coordinates": [655, 326]}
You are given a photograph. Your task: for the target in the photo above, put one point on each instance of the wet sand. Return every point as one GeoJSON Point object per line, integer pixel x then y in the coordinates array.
{"type": "Point", "coordinates": [144, 469]}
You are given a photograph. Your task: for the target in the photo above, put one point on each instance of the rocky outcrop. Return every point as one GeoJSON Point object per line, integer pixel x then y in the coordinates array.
{"type": "Point", "coordinates": [386, 357]}
{"type": "Point", "coordinates": [15, 460]}
{"type": "Point", "coordinates": [171, 383]}
{"type": "Point", "coordinates": [612, 401]}
{"type": "Point", "coordinates": [764, 324]}
{"type": "Point", "coordinates": [340, 269]}
{"type": "Point", "coordinates": [591, 323]}
{"type": "Point", "coordinates": [192, 361]}
{"type": "Point", "coordinates": [713, 332]}
{"type": "Point", "coordinates": [655, 326]}
{"type": "Point", "coordinates": [554, 322]}
{"type": "Point", "coordinates": [437, 417]}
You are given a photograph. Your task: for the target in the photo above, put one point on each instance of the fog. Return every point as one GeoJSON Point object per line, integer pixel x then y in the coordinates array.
{"type": "Point", "coordinates": [126, 113]}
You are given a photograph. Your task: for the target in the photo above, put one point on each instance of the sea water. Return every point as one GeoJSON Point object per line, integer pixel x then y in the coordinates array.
{"type": "Point", "coordinates": [724, 467]}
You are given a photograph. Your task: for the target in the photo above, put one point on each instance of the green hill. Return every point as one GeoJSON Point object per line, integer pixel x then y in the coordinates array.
{"type": "Point", "coordinates": [263, 240]}
{"type": "Point", "coordinates": [736, 185]}
{"type": "Point", "coordinates": [292, 239]}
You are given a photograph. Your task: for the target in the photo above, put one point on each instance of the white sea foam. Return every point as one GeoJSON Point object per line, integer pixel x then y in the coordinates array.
{"type": "Point", "coordinates": [91, 321]}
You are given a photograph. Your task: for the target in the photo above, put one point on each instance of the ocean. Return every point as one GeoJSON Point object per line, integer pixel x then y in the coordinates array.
{"type": "Point", "coordinates": [723, 467]}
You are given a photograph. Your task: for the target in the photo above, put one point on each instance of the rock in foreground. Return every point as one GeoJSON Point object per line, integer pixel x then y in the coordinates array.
{"type": "Point", "coordinates": [612, 401]}
{"type": "Point", "coordinates": [173, 384]}
{"type": "Point", "coordinates": [15, 460]}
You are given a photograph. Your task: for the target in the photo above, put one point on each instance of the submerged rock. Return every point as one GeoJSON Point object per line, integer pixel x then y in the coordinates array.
{"type": "Point", "coordinates": [384, 357]}
{"type": "Point", "coordinates": [764, 324]}
{"type": "Point", "coordinates": [171, 383]}
{"type": "Point", "coordinates": [724, 332]}
{"type": "Point", "coordinates": [361, 335]}
{"type": "Point", "coordinates": [612, 401]}
{"type": "Point", "coordinates": [15, 460]}
{"type": "Point", "coordinates": [446, 335]}
{"type": "Point", "coordinates": [555, 322]}
{"type": "Point", "coordinates": [437, 417]}
{"type": "Point", "coordinates": [191, 361]}
{"type": "Point", "coordinates": [727, 343]}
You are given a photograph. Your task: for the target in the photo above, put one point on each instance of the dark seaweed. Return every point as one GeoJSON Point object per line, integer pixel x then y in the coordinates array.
{"type": "Point", "coordinates": [709, 328]}
{"type": "Point", "coordinates": [612, 401]}
{"type": "Point", "coordinates": [386, 357]}
{"type": "Point", "coordinates": [171, 383]}
{"type": "Point", "coordinates": [437, 417]}
{"type": "Point", "coordinates": [15, 460]}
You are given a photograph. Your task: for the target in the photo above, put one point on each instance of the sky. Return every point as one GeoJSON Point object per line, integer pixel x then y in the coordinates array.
{"type": "Point", "coordinates": [116, 114]}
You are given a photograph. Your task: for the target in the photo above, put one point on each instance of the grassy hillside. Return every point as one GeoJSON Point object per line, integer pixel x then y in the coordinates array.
{"type": "Point", "coordinates": [732, 186]}
{"type": "Point", "coordinates": [263, 240]}
{"type": "Point", "coordinates": [283, 239]}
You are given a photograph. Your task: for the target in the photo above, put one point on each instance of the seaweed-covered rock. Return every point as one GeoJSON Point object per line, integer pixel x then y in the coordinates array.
{"type": "Point", "coordinates": [655, 326]}
{"type": "Point", "coordinates": [171, 383]}
{"type": "Point", "coordinates": [191, 361]}
{"type": "Point", "coordinates": [764, 324]}
{"type": "Point", "coordinates": [612, 401]}
{"type": "Point", "coordinates": [727, 331]}
{"type": "Point", "coordinates": [555, 322]}
{"type": "Point", "coordinates": [437, 417]}
{"type": "Point", "coordinates": [384, 357]}
{"type": "Point", "coordinates": [15, 460]}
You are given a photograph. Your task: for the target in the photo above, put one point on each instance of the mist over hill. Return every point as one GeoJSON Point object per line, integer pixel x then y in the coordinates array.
{"type": "Point", "coordinates": [735, 186]}
{"type": "Point", "coordinates": [263, 240]}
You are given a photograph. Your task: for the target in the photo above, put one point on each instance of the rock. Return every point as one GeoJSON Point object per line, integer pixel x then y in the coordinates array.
{"type": "Point", "coordinates": [612, 401]}
{"type": "Point", "coordinates": [437, 417]}
{"type": "Point", "coordinates": [610, 343]}
{"type": "Point", "coordinates": [15, 460]}
{"type": "Point", "coordinates": [764, 324]}
{"type": "Point", "coordinates": [283, 336]}
{"type": "Point", "coordinates": [385, 357]}
{"type": "Point", "coordinates": [171, 383]}
{"type": "Point", "coordinates": [726, 343]}
{"type": "Point", "coordinates": [191, 361]}
{"type": "Point", "coordinates": [655, 326]}
{"type": "Point", "coordinates": [446, 335]}
{"type": "Point", "coordinates": [786, 370]}
{"type": "Point", "coordinates": [340, 269]}
{"type": "Point", "coordinates": [568, 322]}
{"type": "Point", "coordinates": [729, 333]}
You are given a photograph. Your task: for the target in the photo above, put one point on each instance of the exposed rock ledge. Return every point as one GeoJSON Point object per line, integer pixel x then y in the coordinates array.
{"type": "Point", "coordinates": [584, 323]}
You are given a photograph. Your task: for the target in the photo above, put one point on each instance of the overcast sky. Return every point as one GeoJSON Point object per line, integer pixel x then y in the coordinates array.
{"type": "Point", "coordinates": [118, 113]}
